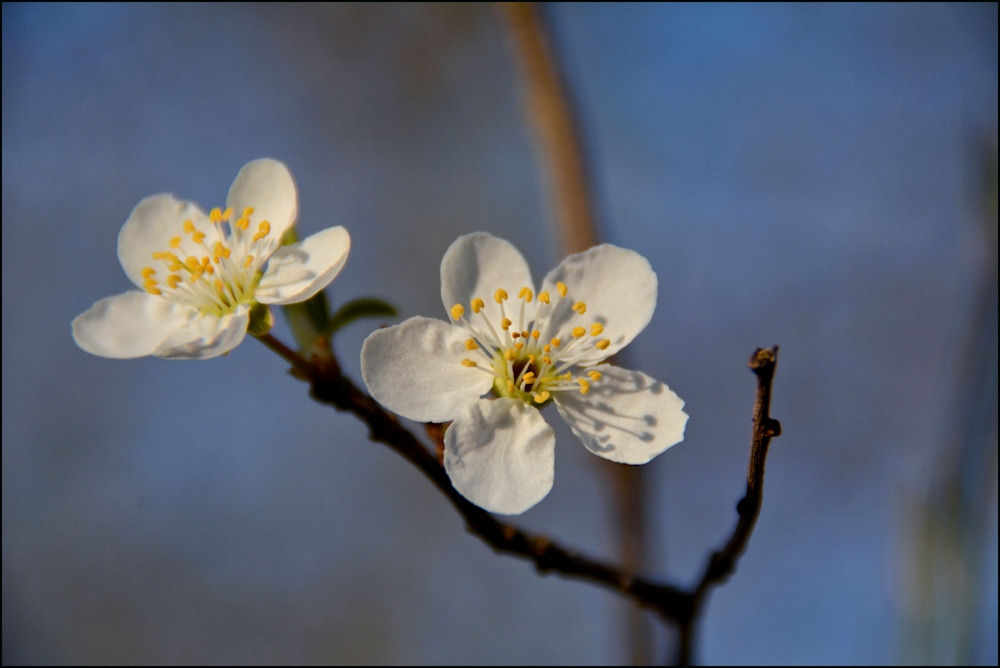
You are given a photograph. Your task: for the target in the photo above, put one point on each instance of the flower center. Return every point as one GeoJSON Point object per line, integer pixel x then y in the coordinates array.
{"type": "Point", "coordinates": [524, 365]}
{"type": "Point", "coordinates": [222, 279]}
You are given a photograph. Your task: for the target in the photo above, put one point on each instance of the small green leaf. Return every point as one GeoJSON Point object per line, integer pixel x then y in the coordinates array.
{"type": "Point", "coordinates": [365, 307]}
{"type": "Point", "coordinates": [307, 319]}
{"type": "Point", "coordinates": [261, 320]}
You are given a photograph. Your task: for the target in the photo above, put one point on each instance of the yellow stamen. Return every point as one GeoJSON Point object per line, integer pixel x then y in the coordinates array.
{"type": "Point", "coordinates": [175, 242]}
{"type": "Point", "coordinates": [262, 230]}
{"type": "Point", "coordinates": [510, 355]}
{"type": "Point", "coordinates": [526, 294]}
{"type": "Point", "coordinates": [510, 386]}
{"type": "Point", "coordinates": [525, 334]}
{"type": "Point", "coordinates": [535, 334]}
{"type": "Point", "coordinates": [471, 344]}
{"type": "Point", "coordinates": [515, 335]}
{"type": "Point", "coordinates": [554, 343]}
{"type": "Point", "coordinates": [227, 213]}
{"type": "Point", "coordinates": [247, 262]}
{"type": "Point", "coordinates": [547, 349]}
{"type": "Point", "coordinates": [243, 223]}
{"type": "Point", "coordinates": [542, 398]}
{"type": "Point", "coordinates": [596, 329]}
{"type": "Point", "coordinates": [603, 344]}
{"type": "Point", "coordinates": [584, 385]}
{"type": "Point", "coordinates": [505, 324]}
{"type": "Point", "coordinates": [543, 298]}
{"type": "Point", "coordinates": [578, 332]}
{"type": "Point", "coordinates": [175, 266]}
{"type": "Point", "coordinates": [457, 311]}
{"type": "Point", "coordinates": [247, 212]}
{"type": "Point", "coordinates": [173, 280]}
{"type": "Point", "coordinates": [529, 378]}
{"type": "Point", "coordinates": [567, 376]}
{"type": "Point", "coordinates": [219, 250]}
{"type": "Point", "coordinates": [477, 305]}
{"type": "Point", "coordinates": [561, 287]}
{"type": "Point", "coordinates": [531, 359]}
{"type": "Point", "coordinates": [188, 226]}
{"type": "Point", "coordinates": [153, 290]}
{"type": "Point", "coordinates": [192, 263]}
{"type": "Point", "coordinates": [547, 360]}
{"type": "Point", "coordinates": [467, 362]}
{"type": "Point", "coordinates": [147, 272]}
{"type": "Point", "coordinates": [518, 345]}
{"type": "Point", "coordinates": [208, 269]}
{"type": "Point", "coordinates": [580, 308]}
{"type": "Point", "coordinates": [150, 283]}
{"type": "Point", "coordinates": [165, 256]}
{"type": "Point", "coordinates": [215, 215]}
{"type": "Point", "coordinates": [500, 295]}
{"type": "Point", "coordinates": [197, 236]}
{"type": "Point", "coordinates": [594, 375]}
{"type": "Point", "coordinates": [219, 285]}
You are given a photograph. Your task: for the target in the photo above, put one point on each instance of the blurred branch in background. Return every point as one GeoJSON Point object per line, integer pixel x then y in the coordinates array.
{"type": "Point", "coordinates": [560, 154]}
{"type": "Point", "coordinates": [950, 525]}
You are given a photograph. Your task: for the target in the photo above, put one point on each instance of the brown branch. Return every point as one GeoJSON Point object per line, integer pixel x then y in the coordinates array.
{"type": "Point", "coordinates": [673, 604]}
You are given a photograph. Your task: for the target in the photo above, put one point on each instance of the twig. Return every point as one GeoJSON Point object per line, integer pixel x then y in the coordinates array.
{"type": "Point", "coordinates": [672, 603]}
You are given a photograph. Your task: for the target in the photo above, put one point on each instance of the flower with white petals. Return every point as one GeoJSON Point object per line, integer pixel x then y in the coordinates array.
{"type": "Point", "coordinates": [500, 359]}
{"type": "Point", "coordinates": [201, 275]}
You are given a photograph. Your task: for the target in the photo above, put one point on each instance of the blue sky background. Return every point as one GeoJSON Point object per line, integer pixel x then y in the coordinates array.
{"type": "Point", "coordinates": [796, 174]}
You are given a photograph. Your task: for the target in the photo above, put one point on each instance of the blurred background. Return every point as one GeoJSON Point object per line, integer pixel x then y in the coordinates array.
{"type": "Point", "coordinates": [812, 176]}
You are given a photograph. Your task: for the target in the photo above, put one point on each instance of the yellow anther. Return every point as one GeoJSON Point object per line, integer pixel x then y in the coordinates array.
{"type": "Point", "coordinates": [500, 295]}
{"type": "Point", "coordinates": [150, 283]}
{"type": "Point", "coordinates": [535, 334]}
{"type": "Point", "coordinates": [227, 213]}
{"type": "Point", "coordinates": [247, 212]}
{"type": "Point", "coordinates": [531, 359]}
{"type": "Point", "coordinates": [457, 311]}
{"type": "Point", "coordinates": [543, 298]}
{"type": "Point", "coordinates": [262, 230]}
{"type": "Point", "coordinates": [147, 272]}
{"type": "Point", "coordinates": [175, 242]}
{"type": "Point", "coordinates": [567, 376]}
{"type": "Point", "coordinates": [219, 250]}
{"type": "Point", "coordinates": [546, 360]}
{"type": "Point", "coordinates": [542, 398]}
{"type": "Point", "coordinates": [505, 324]}
{"type": "Point", "coordinates": [215, 215]}
{"type": "Point", "coordinates": [594, 375]}
{"type": "Point", "coordinates": [529, 378]}
{"type": "Point", "coordinates": [525, 334]}
{"type": "Point", "coordinates": [219, 285]}
{"type": "Point", "coordinates": [561, 287]}
{"type": "Point", "coordinates": [603, 344]}
{"type": "Point", "coordinates": [515, 335]}
{"type": "Point", "coordinates": [584, 385]}
{"type": "Point", "coordinates": [471, 344]}
{"type": "Point", "coordinates": [596, 329]}
{"type": "Point", "coordinates": [192, 263]}
{"type": "Point", "coordinates": [477, 305]}
{"type": "Point", "coordinates": [510, 355]}
{"type": "Point", "coordinates": [518, 345]}
{"type": "Point", "coordinates": [175, 266]}
{"type": "Point", "coordinates": [526, 294]}
{"type": "Point", "coordinates": [243, 223]}
{"type": "Point", "coordinates": [247, 262]}
{"type": "Point", "coordinates": [580, 308]}
{"type": "Point", "coordinates": [554, 343]}
{"type": "Point", "coordinates": [208, 269]}
{"type": "Point", "coordinates": [197, 236]}
{"type": "Point", "coordinates": [467, 362]}
{"type": "Point", "coordinates": [510, 386]}
{"type": "Point", "coordinates": [547, 349]}
{"type": "Point", "coordinates": [163, 256]}
{"type": "Point", "coordinates": [578, 332]}
{"type": "Point", "coordinates": [153, 290]}
{"type": "Point", "coordinates": [173, 280]}
{"type": "Point", "coordinates": [188, 226]}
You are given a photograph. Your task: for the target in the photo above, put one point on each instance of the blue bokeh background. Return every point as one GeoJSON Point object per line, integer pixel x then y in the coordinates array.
{"type": "Point", "coordinates": [796, 174]}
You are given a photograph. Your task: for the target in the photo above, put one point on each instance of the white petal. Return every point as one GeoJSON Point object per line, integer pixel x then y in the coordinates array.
{"type": "Point", "coordinates": [415, 369]}
{"type": "Point", "coordinates": [476, 265]}
{"type": "Point", "coordinates": [617, 285]}
{"type": "Point", "coordinates": [626, 417]}
{"type": "Point", "coordinates": [267, 187]}
{"type": "Point", "coordinates": [151, 226]}
{"type": "Point", "coordinates": [500, 455]}
{"type": "Point", "coordinates": [206, 336]}
{"type": "Point", "coordinates": [297, 272]}
{"type": "Point", "coordinates": [133, 324]}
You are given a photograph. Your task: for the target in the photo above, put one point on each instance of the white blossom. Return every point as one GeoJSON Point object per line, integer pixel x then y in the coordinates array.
{"type": "Point", "coordinates": [201, 274]}
{"type": "Point", "coordinates": [508, 351]}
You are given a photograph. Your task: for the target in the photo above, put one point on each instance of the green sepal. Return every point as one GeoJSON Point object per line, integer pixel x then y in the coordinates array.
{"type": "Point", "coordinates": [307, 319]}
{"type": "Point", "coordinates": [261, 319]}
{"type": "Point", "coordinates": [364, 307]}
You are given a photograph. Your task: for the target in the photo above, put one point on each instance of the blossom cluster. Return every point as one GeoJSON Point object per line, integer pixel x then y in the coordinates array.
{"type": "Point", "coordinates": [507, 351]}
